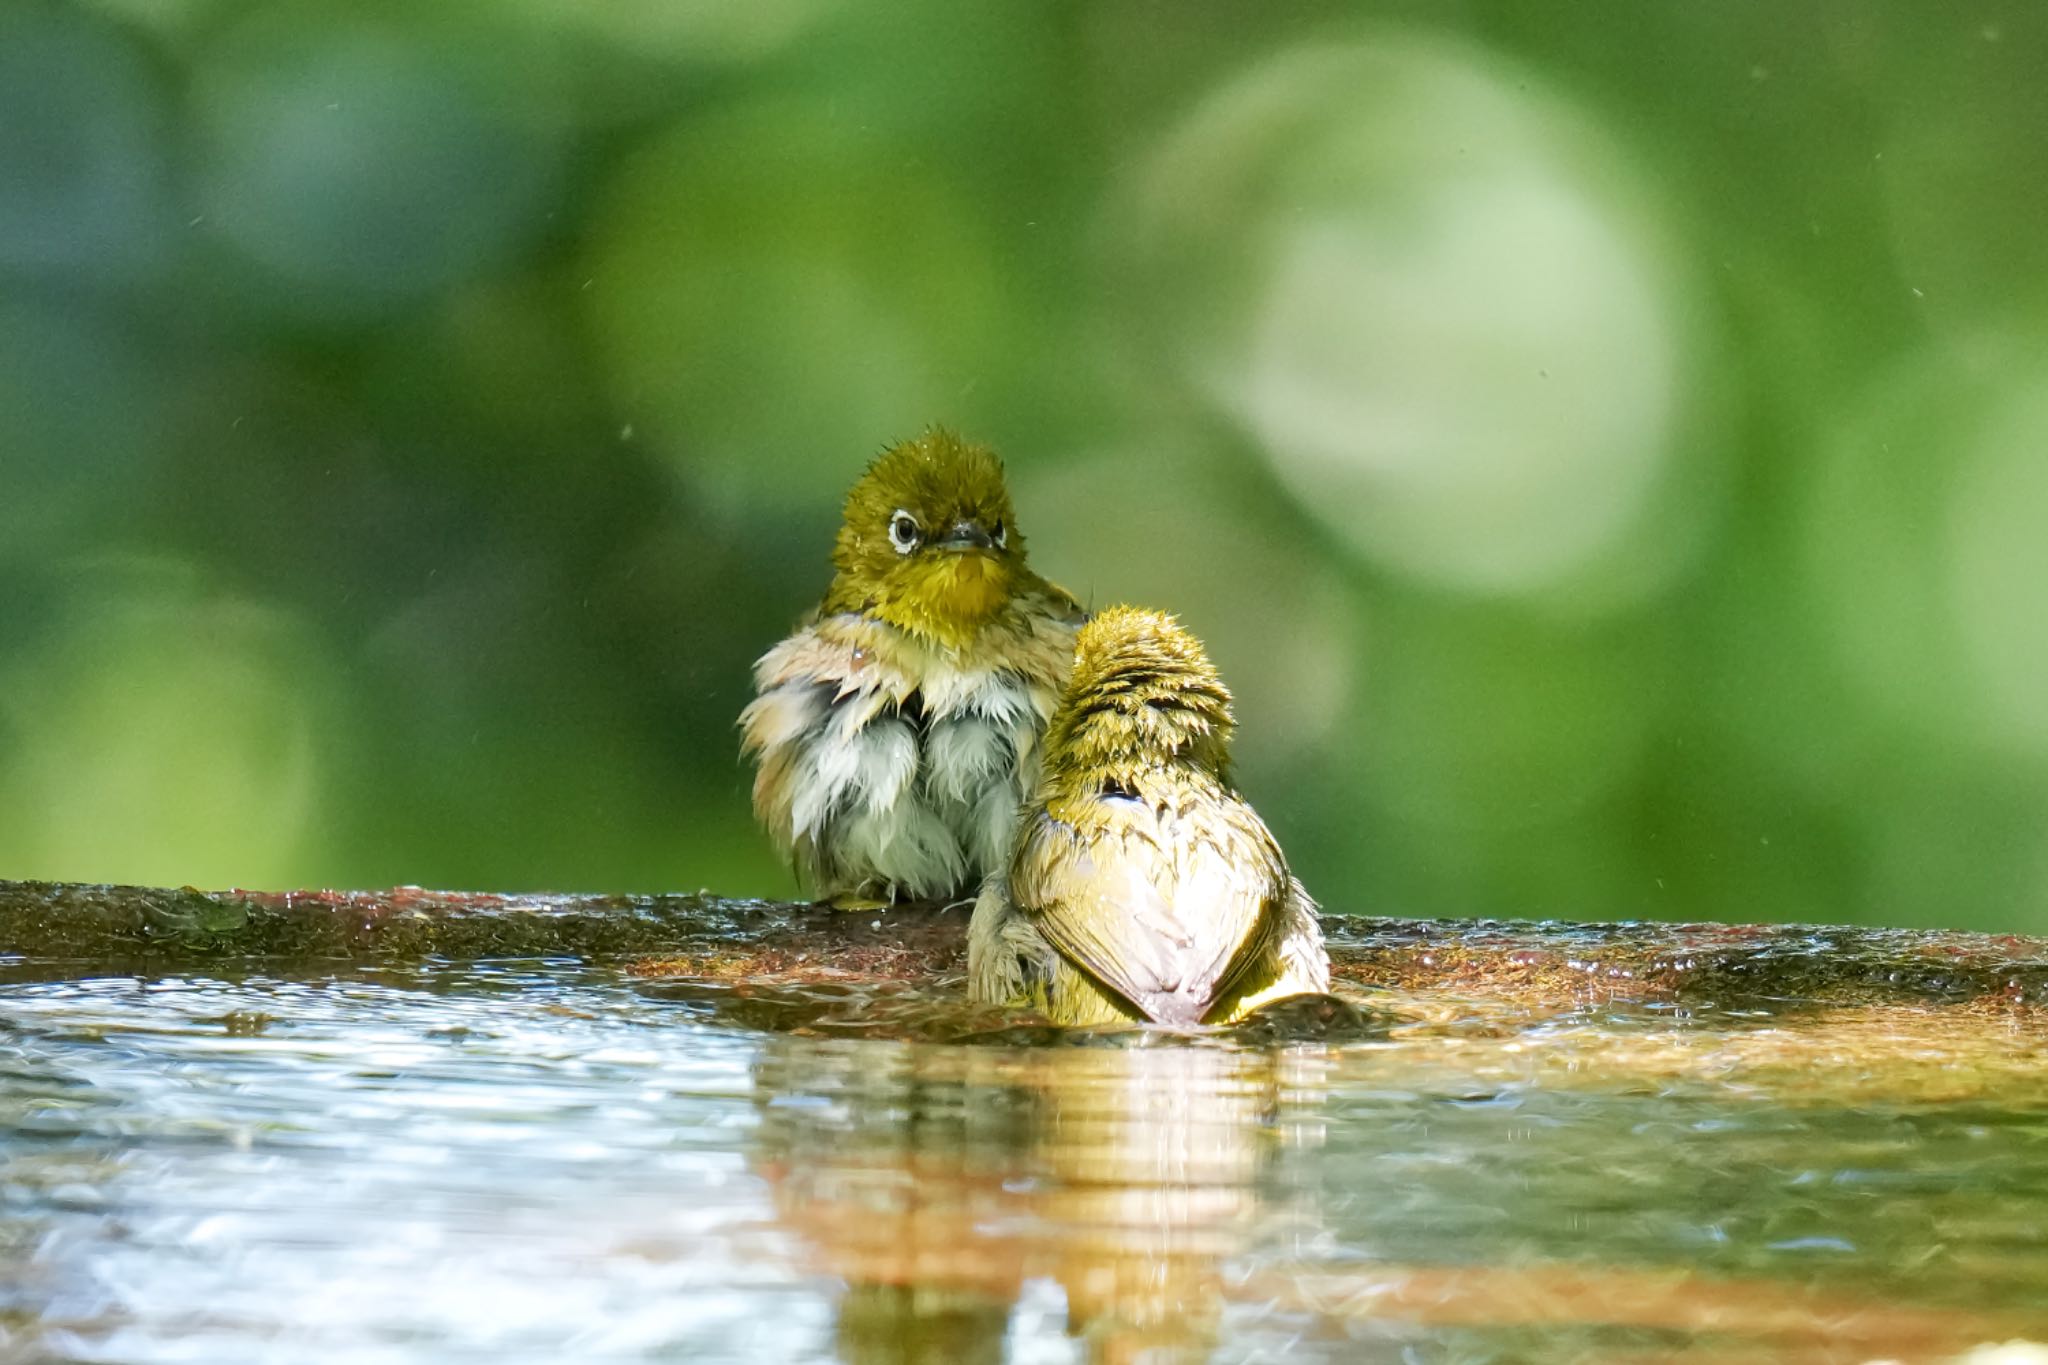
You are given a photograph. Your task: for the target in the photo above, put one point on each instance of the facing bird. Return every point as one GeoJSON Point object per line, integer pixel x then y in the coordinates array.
{"type": "Point", "coordinates": [1141, 885]}
{"type": "Point", "coordinates": [897, 729]}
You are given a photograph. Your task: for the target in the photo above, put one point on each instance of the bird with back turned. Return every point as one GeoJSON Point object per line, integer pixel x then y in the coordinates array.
{"type": "Point", "coordinates": [1140, 886]}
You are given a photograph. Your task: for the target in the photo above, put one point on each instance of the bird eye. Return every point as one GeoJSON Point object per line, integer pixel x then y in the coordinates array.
{"type": "Point", "coordinates": [1000, 534]}
{"type": "Point", "coordinates": [903, 533]}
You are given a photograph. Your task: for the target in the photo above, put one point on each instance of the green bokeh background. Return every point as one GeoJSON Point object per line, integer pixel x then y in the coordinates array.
{"type": "Point", "coordinates": [1605, 445]}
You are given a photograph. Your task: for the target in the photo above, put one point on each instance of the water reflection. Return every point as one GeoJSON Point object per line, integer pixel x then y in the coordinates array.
{"type": "Point", "coordinates": [941, 1185]}
{"type": "Point", "coordinates": [546, 1162]}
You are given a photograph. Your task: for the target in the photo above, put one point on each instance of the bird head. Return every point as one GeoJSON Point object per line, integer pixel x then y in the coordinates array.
{"type": "Point", "coordinates": [929, 543]}
{"type": "Point", "coordinates": [1142, 695]}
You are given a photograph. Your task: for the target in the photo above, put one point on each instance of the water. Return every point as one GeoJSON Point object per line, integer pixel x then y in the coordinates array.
{"type": "Point", "coordinates": [535, 1161]}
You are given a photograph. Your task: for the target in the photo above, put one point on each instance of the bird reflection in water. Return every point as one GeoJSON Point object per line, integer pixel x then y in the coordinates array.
{"type": "Point", "coordinates": [942, 1184]}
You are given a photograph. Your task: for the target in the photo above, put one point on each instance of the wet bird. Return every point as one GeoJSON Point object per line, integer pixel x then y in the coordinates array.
{"type": "Point", "coordinates": [897, 730]}
{"type": "Point", "coordinates": [1141, 886]}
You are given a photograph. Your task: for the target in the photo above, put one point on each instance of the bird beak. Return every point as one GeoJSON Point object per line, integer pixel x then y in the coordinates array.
{"type": "Point", "coordinates": [967, 535]}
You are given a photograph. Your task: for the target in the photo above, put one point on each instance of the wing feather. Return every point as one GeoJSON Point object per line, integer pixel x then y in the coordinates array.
{"type": "Point", "coordinates": [1165, 917]}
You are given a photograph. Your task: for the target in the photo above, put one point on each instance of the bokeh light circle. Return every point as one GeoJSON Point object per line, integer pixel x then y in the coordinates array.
{"type": "Point", "coordinates": [1428, 291]}
{"type": "Point", "coordinates": [161, 733]}
{"type": "Point", "coordinates": [365, 164]}
{"type": "Point", "coordinates": [82, 164]}
{"type": "Point", "coordinates": [1923, 549]}
{"type": "Point", "coordinates": [1997, 559]}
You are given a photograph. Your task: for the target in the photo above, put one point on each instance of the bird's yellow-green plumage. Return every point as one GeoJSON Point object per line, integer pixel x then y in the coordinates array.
{"type": "Point", "coordinates": [898, 728]}
{"type": "Point", "coordinates": [967, 562]}
{"type": "Point", "coordinates": [1141, 886]}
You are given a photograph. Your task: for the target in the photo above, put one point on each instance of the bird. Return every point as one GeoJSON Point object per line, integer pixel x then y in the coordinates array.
{"type": "Point", "coordinates": [896, 731]}
{"type": "Point", "coordinates": [1140, 885]}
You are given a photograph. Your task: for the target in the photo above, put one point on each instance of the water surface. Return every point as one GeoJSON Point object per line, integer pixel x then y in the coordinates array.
{"type": "Point", "coordinates": [547, 1161]}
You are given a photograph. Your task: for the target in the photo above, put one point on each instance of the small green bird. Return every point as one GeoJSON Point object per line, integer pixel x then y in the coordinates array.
{"type": "Point", "coordinates": [1141, 885]}
{"type": "Point", "coordinates": [897, 729]}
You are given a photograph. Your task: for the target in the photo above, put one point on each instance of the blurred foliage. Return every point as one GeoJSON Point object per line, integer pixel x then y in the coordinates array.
{"type": "Point", "coordinates": [1606, 446]}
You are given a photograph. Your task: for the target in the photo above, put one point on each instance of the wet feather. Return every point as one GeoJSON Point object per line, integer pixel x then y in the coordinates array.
{"type": "Point", "coordinates": [1141, 885]}
{"type": "Point", "coordinates": [897, 729]}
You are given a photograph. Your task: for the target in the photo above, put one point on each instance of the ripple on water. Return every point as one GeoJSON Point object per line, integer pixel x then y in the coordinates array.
{"type": "Point", "coordinates": [545, 1161]}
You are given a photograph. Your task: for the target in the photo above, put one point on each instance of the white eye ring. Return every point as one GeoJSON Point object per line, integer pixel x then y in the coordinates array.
{"type": "Point", "coordinates": [1002, 536]}
{"type": "Point", "coordinates": [903, 532]}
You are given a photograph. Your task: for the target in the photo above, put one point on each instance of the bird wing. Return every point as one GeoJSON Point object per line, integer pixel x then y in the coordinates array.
{"type": "Point", "coordinates": [1164, 915]}
{"type": "Point", "coordinates": [1052, 601]}
{"type": "Point", "coordinates": [1066, 607]}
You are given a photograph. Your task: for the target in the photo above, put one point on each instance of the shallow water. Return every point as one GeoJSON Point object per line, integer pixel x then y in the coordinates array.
{"type": "Point", "coordinates": [545, 1162]}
